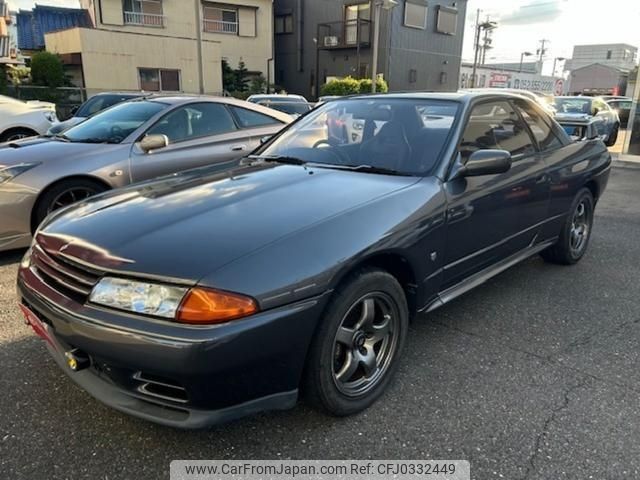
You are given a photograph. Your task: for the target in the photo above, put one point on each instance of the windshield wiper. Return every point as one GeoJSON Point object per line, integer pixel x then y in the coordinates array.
{"type": "Point", "coordinates": [278, 159]}
{"type": "Point", "coordinates": [366, 169]}
{"type": "Point", "coordinates": [94, 140]}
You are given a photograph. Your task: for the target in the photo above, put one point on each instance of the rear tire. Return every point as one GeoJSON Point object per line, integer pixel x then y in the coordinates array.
{"type": "Point", "coordinates": [355, 352]}
{"type": "Point", "coordinates": [613, 138]}
{"type": "Point", "coordinates": [14, 134]}
{"type": "Point", "coordinates": [576, 232]}
{"type": "Point", "coordinates": [63, 193]}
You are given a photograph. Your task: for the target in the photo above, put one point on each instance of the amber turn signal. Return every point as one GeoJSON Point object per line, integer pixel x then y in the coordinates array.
{"type": "Point", "coordinates": [203, 306]}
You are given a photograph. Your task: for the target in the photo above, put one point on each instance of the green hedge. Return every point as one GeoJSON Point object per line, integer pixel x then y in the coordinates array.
{"type": "Point", "coordinates": [352, 86]}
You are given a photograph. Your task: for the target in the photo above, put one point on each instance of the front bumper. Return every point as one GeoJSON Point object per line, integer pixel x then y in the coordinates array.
{"type": "Point", "coordinates": [200, 376]}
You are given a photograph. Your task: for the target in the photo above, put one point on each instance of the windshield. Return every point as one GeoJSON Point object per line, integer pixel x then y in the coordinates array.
{"type": "Point", "coordinates": [573, 105]}
{"type": "Point", "coordinates": [403, 135]}
{"type": "Point", "coordinates": [99, 103]}
{"type": "Point", "coordinates": [292, 108]}
{"type": "Point", "coordinates": [115, 124]}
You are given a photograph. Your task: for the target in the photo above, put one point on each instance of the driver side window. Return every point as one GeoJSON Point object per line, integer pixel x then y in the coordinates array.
{"type": "Point", "coordinates": [495, 126]}
{"type": "Point", "coordinates": [194, 121]}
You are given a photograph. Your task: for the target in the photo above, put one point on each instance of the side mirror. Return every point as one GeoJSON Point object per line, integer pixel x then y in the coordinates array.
{"type": "Point", "coordinates": [74, 109]}
{"type": "Point", "coordinates": [265, 139]}
{"type": "Point", "coordinates": [486, 162]}
{"type": "Point", "coordinates": [596, 111]}
{"type": "Point", "coordinates": [154, 142]}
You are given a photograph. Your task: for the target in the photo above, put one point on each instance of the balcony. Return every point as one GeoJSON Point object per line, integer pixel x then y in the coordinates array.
{"type": "Point", "coordinates": [344, 35]}
{"type": "Point", "coordinates": [144, 19]}
{"type": "Point", "coordinates": [220, 26]}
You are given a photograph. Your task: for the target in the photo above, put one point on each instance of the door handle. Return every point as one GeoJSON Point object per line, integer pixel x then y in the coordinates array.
{"type": "Point", "coordinates": [544, 178]}
{"type": "Point", "coordinates": [238, 148]}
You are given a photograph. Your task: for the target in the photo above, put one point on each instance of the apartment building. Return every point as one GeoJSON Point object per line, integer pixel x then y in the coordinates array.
{"type": "Point", "coordinates": [8, 47]}
{"type": "Point", "coordinates": [419, 49]}
{"type": "Point", "coordinates": [620, 56]}
{"type": "Point", "coordinates": [166, 45]}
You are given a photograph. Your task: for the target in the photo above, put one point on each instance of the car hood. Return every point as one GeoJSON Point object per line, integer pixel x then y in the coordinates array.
{"type": "Point", "coordinates": [41, 150]}
{"type": "Point", "coordinates": [189, 225]}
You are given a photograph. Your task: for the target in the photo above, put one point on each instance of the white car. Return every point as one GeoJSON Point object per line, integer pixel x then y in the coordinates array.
{"type": "Point", "coordinates": [20, 119]}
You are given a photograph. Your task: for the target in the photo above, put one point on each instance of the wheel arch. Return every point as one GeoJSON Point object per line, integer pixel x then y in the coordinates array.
{"type": "Point", "coordinates": [594, 188]}
{"type": "Point", "coordinates": [394, 263]}
{"type": "Point", "coordinates": [13, 128]}
{"type": "Point", "coordinates": [56, 182]}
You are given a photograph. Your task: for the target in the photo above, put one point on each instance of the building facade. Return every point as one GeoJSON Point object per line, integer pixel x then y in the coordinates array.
{"type": "Point", "coordinates": [8, 38]}
{"type": "Point", "coordinates": [621, 56]}
{"type": "Point", "coordinates": [419, 49]}
{"type": "Point", "coordinates": [598, 79]}
{"type": "Point", "coordinates": [166, 45]}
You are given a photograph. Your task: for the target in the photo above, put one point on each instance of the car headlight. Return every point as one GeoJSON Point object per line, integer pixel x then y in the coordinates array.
{"type": "Point", "coordinates": [50, 115]}
{"type": "Point", "coordinates": [195, 306]}
{"type": "Point", "coordinates": [9, 173]}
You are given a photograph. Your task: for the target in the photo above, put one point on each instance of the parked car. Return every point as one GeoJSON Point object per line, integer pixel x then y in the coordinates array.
{"type": "Point", "coordinates": [209, 295]}
{"type": "Point", "coordinates": [581, 129]}
{"type": "Point", "coordinates": [622, 106]}
{"type": "Point", "coordinates": [95, 104]}
{"type": "Point", "coordinates": [295, 109]}
{"type": "Point", "coordinates": [276, 97]}
{"type": "Point", "coordinates": [606, 98]}
{"type": "Point", "coordinates": [130, 142]}
{"type": "Point", "coordinates": [607, 120]}
{"type": "Point", "coordinates": [20, 119]}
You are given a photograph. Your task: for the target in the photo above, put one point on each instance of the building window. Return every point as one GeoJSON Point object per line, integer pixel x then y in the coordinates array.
{"type": "Point", "coordinates": [609, 54]}
{"type": "Point", "coordinates": [352, 16]}
{"type": "Point", "coordinates": [413, 76]}
{"type": "Point", "coordinates": [159, 80]}
{"type": "Point", "coordinates": [143, 12]}
{"type": "Point", "coordinates": [220, 20]}
{"type": "Point", "coordinates": [284, 24]}
{"type": "Point", "coordinates": [415, 14]}
{"type": "Point", "coordinates": [447, 20]}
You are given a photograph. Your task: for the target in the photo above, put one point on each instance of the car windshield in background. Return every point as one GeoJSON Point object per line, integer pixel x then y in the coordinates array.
{"type": "Point", "coordinates": [99, 103]}
{"type": "Point", "coordinates": [398, 135]}
{"type": "Point", "coordinates": [292, 108]}
{"type": "Point", "coordinates": [573, 105]}
{"type": "Point", "coordinates": [621, 104]}
{"type": "Point", "coordinates": [115, 124]}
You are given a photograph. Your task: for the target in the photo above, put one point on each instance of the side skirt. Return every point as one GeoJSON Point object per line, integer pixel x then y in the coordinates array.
{"type": "Point", "coordinates": [481, 277]}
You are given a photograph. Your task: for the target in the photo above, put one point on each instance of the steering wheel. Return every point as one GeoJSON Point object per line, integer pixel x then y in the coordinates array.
{"type": "Point", "coordinates": [117, 132]}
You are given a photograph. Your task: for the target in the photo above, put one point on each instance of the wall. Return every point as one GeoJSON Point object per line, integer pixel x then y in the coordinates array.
{"type": "Point", "coordinates": [254, 44]}
{"type": "Point", "coordinates": [401, 48]}
{"type": "Point", "coordinates": [111, 60]}
{"type": "Point", "coordinates": [584, 55]}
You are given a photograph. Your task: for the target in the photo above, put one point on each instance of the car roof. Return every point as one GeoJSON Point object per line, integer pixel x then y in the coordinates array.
{"type": "Point", "coordinates": [461, 96]}
{"type": "Point", "coordinates": [175, 100]}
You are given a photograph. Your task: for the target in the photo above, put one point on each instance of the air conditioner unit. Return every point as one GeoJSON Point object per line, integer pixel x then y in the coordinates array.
{"type": "Point", "coordinates": [331, 41]}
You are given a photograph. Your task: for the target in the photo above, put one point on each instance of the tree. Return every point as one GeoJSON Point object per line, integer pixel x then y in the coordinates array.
{"type": "Point", "coordinates": [47, 70]}
{"type": "Point", "coordinates": [242, 77]}
{"type": "Point", "coordinates": [258, 84]}
{"type": "Point", "coordinates": [228, 77]}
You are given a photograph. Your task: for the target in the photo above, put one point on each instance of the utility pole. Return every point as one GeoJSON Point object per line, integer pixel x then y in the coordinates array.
{"type": "Point", "coordinates": [378, 5]}
{"type": "Point", "coordinates": [487, 41]}
{"type": "Point", "coordinates": [477, 51]}
{"type": "Point", "coordinates": [486, 27]}
{"type": "Point", "coordinates": [542, 52]}
{"type": "Point", "coordinates": [199, 47]}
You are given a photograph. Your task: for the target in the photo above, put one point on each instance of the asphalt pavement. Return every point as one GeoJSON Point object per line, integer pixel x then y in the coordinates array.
{"type": "Point", "coordinates": [533, 375]}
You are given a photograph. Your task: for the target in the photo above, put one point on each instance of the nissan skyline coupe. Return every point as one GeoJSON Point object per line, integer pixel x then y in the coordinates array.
{"type": "Point", "coordinates": [209, 295]}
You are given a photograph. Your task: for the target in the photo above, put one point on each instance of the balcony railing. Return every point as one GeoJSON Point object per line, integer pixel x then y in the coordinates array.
{"type": "Point", "coordinates": [347, 34]}
{"type": "Point", "coordinates": [144, 19]}
{"type": "Point", "coordinates": [220, 26]}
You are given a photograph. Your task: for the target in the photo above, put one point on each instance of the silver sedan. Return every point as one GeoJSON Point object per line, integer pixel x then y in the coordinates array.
{"type": "Point", "coordinates": [130, 142]}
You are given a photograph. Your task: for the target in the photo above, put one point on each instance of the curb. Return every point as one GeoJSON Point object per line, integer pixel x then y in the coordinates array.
{"type": "Point", "coordinates": [625, 164]}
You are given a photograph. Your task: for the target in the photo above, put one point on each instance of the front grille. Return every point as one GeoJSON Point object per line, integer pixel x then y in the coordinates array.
{"type": "Point", "coordinates": [63, 274]}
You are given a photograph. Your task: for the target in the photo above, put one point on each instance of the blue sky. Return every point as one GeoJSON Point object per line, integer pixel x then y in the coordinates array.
{"type": "Point", "coordinates": [523, 22]}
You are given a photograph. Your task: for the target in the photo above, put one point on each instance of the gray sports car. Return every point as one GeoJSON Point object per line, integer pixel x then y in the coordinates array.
{"type": "Point", "coordinates": [127, 143]}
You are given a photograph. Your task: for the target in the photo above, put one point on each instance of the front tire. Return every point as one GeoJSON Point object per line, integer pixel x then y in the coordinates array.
{"type": "Point", "coordinates": [356, 349]}
{"type": "Point", "coordinates": [14, 134]}
{"type": "Point", "coordinates": [576, 232]}
{"type": "Point", "coordinates": [65, 193]}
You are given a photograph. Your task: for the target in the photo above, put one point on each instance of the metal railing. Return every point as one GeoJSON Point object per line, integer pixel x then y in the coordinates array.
{"type": "Point", "coordinates": [345, 34]}
{"type": "Point", "coordinates": [220, 26]}
{"type": "Point", "coordinates": [146, 19]}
